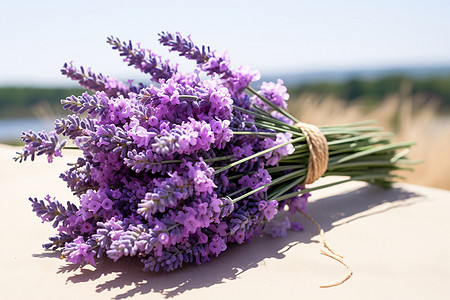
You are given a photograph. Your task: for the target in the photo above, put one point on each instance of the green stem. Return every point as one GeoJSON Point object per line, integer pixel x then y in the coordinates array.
{"type": "Point", "coordinates": [362, 178]}
{"type": "Point", "coordinates": [361, 137]}
{"type": "Point", "coordinates": [219, 158]}
{"type": "Point", "coordinates": [278, 128]}
{"type": "Point", "coordinates": [286, 188]}
{"type": "Point", "coordinates": [367, 122]}
{"type": "Point", "coordinates": [188, 97]}
{"type": "Point", "coordinates": [271, 134]}
{"type": "Point", "coordinates": [275, 181]}
{"type": "Point", "coordinates": [375, 150]}
{"type": "Point", "coordinates": [271, 105]}
{"type": "Point", "coordinates": [258, 154]}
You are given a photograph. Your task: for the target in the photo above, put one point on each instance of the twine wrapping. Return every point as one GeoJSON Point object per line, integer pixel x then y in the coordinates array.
{"type": "Point", "coordinates": [317, 166]}
{"type": "Point", "coordinates": [318, 148]}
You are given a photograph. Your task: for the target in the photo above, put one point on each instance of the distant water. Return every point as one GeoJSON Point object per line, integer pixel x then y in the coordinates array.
{"type": "Point", "coordinates": [10, 129]}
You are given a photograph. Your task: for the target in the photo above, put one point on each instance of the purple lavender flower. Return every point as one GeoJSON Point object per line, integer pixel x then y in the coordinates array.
{"type": "Point", "coordinates": [119, 111]}
{"type": "Point", "coordinates": [167, 193]}
{"type": "Point", "coordinates": [58, 241]}
{"type": "Point", "coordinates": [217, 245]}
{"type": "Point", "coordinates": [256, 180]}
{"type": "Point", "coordinates": [78, 177]}
{"type": "Point", "coordinates": [202, 177]}
{"type": "Point", "coordinates": [167, 261]}
{"type": "Point", "coordinates": [277, 228]}
{"type": "Point", "coordinates": [211, 62]}
{"type": "Point", "coordinates": [99, 83]}
{"type": "Point", "coordinates": [275, 93]}
{"type": "Point", "coordinates": [296, 226]}
{"type": "Point", "coordinates": [143, 60]}
{"type": "Point", "coordinates": [147, 161]}
{"type": "Point", "coordinates": [167, 142]}
{"type": "Point", "coordinates": [297, 203]}
{"type": "Point", "coordinates": [39, 144]}
{"type": "Point", "coordinates": [73, 126]}
{"type": "Point", "coordinates": [94, 105]}
{"type": "Point", "coordinates": [49, 210]}
{"type": "Point", "coordinates": [240, 78]}
{"type": "Point", "coordinates": [114, 139]}
{"type": "Point", "coordinates": [107, 232]}
{"type": "Point", "coordinates": [135, 239]}
{"type": "Point", "coordinates": [141, 135]}
{"type": "Point", "coordinates": [274, 157]}
{"type": "Point", "coordinates": [185, 47]}
{"type": "Point", "coordinates": [270, 210]}
{"type": "Point", "coordinates": [218, 63]}
{"type": "Point", "coordinates": [79, 252]}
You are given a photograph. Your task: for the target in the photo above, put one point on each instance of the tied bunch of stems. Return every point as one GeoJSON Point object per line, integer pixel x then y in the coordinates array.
{"type": "Point", "coordinates": [355, 150]}
{"type": "Point", "coordinates": [174, 171]}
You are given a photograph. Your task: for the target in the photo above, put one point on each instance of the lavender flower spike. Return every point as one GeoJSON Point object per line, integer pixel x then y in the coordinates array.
{"type": "Point", "coordinates": [40, 143]}
{"type": "Point", "coordinates": [73, 126]}
{"type": "Point", "coordinates": [54, 211]}
{"type": "Point", "coordinates": [185, 47]}
{"type": "Point", "coordinates": [136, 57]}
{"type": "Point", "coordinates": [209, 61]}
{"type": "Point", "coordinates": [94, 105]}
{"type": "Point", "coordinates": [98, 82]}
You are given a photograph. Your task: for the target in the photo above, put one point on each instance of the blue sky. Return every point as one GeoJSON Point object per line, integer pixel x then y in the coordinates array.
{"type": "Point", "coordinates": [276, 37]}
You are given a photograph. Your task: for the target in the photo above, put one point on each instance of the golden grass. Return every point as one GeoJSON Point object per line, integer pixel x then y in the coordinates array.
{"type": "Point", "coordinates": [409, 116]}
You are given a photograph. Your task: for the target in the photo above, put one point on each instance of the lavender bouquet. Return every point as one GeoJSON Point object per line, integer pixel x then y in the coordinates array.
{"type": "Point", "coordinates": [174, 171]}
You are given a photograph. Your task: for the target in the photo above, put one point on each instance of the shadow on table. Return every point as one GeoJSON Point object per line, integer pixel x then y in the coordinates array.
{"type": "Point", "coordinates": [130, 280]}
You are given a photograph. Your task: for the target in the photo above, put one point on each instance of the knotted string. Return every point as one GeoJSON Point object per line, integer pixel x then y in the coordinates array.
{"type": "Point", "coordinates": [328, 251]}
{"type": "Point", "coordinates": [317, 166]}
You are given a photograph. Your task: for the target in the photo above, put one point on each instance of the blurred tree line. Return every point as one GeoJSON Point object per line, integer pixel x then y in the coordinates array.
{"type": "Point", "coordinates": [17, 102]}
{"type": "Point", "coordinates": [371, 92]}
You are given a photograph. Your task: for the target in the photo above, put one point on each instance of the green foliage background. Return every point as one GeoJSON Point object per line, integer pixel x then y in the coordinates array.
{"type": "Point", "coordinates": [17, 102]}
{"type": "Point", "coordinates": [372, 92]}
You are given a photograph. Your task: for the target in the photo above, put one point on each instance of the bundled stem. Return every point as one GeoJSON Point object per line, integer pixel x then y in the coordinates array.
{"type": "Point", "coordinates": [355, 151]}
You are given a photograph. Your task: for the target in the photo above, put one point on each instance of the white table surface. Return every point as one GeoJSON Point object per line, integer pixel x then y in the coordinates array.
{"type": "Point", "coordinates": [396, 241]}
